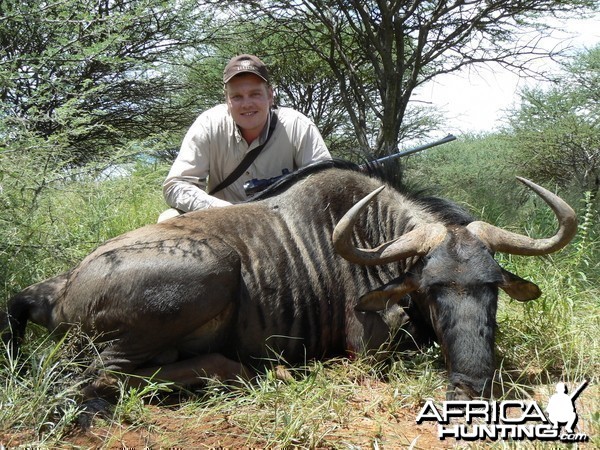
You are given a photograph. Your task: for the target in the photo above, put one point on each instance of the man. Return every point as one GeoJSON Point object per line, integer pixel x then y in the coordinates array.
{"type": "Point", "coordinates": [221, 137]}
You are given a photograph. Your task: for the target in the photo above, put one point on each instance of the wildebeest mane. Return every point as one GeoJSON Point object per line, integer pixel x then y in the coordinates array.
{"type": "Point", "coordinates": [373, 170]}
{"type": "Point", "coordinates": [287, 180]}
{"type": "Point", "coordinates": [448, 212]}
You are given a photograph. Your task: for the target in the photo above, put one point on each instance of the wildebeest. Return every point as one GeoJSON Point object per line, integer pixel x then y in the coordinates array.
{"type": "Point", "coordinates": [325, 267]}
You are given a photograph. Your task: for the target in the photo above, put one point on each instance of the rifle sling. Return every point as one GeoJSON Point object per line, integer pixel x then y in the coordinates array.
{"type": "Point", "coordinates": [248, 159]}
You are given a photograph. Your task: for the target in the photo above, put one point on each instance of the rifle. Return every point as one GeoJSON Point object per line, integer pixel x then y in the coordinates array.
{"type": "Point", "coordinates": [410, 151]}
{"type": "Point", "coordinates": [257, 185]}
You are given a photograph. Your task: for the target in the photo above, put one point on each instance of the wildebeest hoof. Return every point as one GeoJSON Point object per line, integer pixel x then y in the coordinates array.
{"type": "Point", "coordinates": [92, 408]}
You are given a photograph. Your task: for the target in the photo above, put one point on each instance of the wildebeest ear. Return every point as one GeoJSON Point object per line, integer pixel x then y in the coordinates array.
{"type": "Point", "coordinates": [387, 295]}
{"type": "Point", "coordinates": [518, 288]}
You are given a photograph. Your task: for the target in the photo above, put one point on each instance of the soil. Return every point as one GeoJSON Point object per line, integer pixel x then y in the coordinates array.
{"type": "Point", "coordinates": [169, 430]}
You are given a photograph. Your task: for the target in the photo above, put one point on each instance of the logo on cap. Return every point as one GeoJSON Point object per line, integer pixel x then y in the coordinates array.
{"type": "Point", "coordinates": [245, 64]}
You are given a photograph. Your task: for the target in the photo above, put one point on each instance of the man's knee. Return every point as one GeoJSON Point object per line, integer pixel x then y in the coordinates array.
{"type": "Point", "coordinates": [169, 214]}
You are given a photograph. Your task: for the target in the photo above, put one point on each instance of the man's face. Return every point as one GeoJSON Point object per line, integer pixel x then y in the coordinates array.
{"type": "Point", "coordinates": [249, 100]}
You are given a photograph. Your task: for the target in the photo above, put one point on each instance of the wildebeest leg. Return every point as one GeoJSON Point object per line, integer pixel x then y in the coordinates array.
{"type": "Point", "coordinates": [98, 395]}
{"type": "Point", "coordinates": [113, 371]}
{"type": "Point", "coordinates": [192, 371]}
{"type": "Point", "coordinates": [116, 365]}
{"type": "Point", "coordinates": [112, 364]}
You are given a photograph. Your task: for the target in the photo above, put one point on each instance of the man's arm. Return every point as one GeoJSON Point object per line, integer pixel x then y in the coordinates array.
{"type": "Point", "coordinates": [185, 186]}
{"type": "Point", "coordinates": [188, 194]}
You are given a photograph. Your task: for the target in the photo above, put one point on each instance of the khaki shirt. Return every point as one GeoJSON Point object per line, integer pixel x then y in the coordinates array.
{"type": "Point", "coordinates": [213, 147]}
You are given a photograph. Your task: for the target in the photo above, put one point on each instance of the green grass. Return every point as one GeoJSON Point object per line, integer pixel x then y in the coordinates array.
{"type": "Point", "coordinates": [40, 391]}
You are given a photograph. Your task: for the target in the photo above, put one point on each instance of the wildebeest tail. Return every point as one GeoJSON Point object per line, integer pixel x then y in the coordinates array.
{"type": "Point", "coordinates": [13, 322]}
{"type": "Point", "coordinates": [33, 303]}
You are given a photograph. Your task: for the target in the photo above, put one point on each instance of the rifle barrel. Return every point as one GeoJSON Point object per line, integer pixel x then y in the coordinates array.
{"type": "Point", "coordinates": [419, 148]}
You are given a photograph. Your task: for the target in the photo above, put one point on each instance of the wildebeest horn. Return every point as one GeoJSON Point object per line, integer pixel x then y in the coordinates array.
{"type": "Point", "coordinates": [504, 241]}
{"type": "Point", "coordinates": [417, 242]}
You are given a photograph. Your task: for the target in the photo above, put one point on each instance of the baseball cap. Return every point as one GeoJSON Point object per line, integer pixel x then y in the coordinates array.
{"type": "Point", "coordinates": [245, 64]}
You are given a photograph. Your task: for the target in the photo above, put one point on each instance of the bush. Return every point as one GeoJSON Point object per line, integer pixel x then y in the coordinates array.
{"type": "Point", "coordinates": [49, 223]}
{"type": "Point", "coordinates": [473, 171]}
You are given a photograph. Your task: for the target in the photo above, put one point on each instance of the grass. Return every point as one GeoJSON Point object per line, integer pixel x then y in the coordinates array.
{"type": "Point", "coordinates": [360, 403]}
{"type": "Point", "coordinates": [39, 391]}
